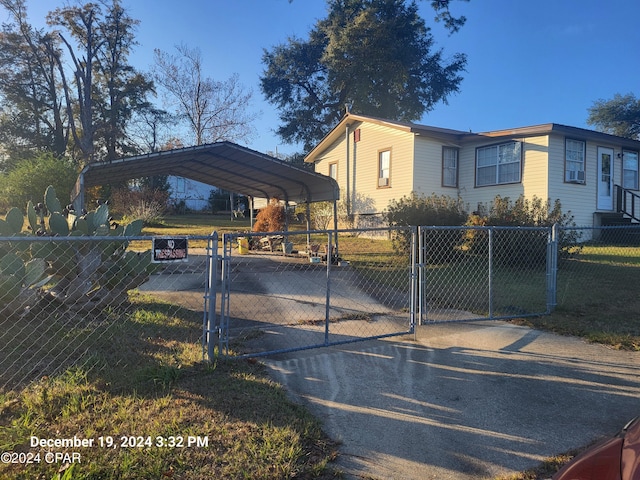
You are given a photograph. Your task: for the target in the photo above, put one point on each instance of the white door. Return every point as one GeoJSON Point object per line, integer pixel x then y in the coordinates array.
{"type": "Point", "coordinates": [605, 179]}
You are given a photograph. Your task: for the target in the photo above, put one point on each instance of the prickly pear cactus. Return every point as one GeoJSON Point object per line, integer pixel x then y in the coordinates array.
{"type": "Point", "coordinates": [77, 274]}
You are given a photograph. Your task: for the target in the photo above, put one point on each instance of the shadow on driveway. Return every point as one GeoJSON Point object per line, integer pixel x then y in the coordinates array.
{"type": "Point", "coordinates": [464, 401]}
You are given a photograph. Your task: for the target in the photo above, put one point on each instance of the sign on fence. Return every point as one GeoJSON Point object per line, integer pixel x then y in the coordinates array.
{"type": "Point", "coordinates": [169, 250]}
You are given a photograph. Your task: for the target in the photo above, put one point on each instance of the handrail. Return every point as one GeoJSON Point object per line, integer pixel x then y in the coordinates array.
{"type": "Point", "coordinates": [627, 203]}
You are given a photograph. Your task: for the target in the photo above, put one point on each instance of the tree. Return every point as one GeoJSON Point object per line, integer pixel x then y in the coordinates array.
{"type": "Point", "coordinates": [107, 88]}
{"type": "Point", "coordinates": [214, 110]}
{"type": "Point", "coordinates": [443, 14]}
{"type": "Point", "coordinates": [85, 108]}
{"type": "Point", "coordinates": [618, 116]}
{"type": "Point", "coordinates": [376, 55]}
{"type": "Point", "coordinates": [33, 114]}
{"type": "Point", "coordinates": [121, 89]}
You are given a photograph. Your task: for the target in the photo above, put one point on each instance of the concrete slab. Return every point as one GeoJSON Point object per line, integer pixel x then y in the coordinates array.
{"type": "Point", "coordinates": [463, 401]}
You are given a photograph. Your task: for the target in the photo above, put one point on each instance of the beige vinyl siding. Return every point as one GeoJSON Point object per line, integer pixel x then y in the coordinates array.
{"type": "Point", "coordinates": [367, 197]}
{"type": "Point", "coordinates": [535, 171]}
{"type": "Point", "coordinates": [334, 154]}
{"type": "Point", "coordinates": [534, 179]}
{"type": "Point", "coordinates": [579, 199]}
{"type": "Point", "coordinates": [427, 177]}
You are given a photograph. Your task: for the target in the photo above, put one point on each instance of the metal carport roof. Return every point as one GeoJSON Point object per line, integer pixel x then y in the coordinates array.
{"type": "Point", "coordinates": [223, 164]}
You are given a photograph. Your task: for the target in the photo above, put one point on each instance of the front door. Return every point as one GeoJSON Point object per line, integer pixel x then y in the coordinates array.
{"type": "Point", "coordinates": [605, 179]}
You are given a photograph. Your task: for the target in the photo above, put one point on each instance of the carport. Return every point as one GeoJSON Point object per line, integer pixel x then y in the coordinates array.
{"type": "Point", "coordinates": [222, 164]}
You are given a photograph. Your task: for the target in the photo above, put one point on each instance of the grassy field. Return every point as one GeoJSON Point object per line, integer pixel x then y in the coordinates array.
{"type": "Point", "coordinates": [142, 383]}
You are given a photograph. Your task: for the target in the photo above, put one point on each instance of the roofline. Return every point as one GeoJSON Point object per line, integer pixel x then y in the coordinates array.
{"type": "Point", "coordinates": [458, 136]}
{"type": "Point", "coordinates": [576, 132]}
{"type": "Point", "coordinates": [350, 118]}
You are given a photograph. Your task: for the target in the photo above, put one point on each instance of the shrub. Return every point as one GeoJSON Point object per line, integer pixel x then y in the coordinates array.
{"type": "Point", "coordinates": [270, 218]}
{"type": "Point", "coordinates": [421, 210]}
{"type": "Point", "coordinates": [147, 204]}
{"type": "Point", "coordinates": [29, 178]}
{"type": "Point", "coordinates": [520, 247]}
{"type": "Point", "coordinates": [321, 214]}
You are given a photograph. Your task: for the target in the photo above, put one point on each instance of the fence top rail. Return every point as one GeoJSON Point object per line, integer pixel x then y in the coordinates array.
{"type": "Point", "coordinates": [102, 238]}
{"type": "Point", "coordinates": [485, 227]}
{"type": "Point", "coordinates": [315, 232]}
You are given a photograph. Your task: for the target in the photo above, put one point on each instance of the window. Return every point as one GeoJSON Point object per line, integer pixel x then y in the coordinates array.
{"type": "Point", "coordinates": [574, 161]}
{"type": "Point", "coordinates": [384, 168]}
{"type": "Point", "coordinates": [630, 170]}
{"type": "Point", "coordinates": [498, 164]}
{"type": "Point", "coordinates": [449, 167]}
{"type": "Point", "coordinates": [333, 170]}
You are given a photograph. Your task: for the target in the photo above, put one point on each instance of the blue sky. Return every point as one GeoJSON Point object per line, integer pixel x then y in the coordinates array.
{"type": "Point", "coordinates": [529, 61]}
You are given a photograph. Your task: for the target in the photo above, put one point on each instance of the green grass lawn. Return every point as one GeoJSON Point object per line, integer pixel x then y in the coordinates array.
{"type": "Point", "coordinates": [155, 411]}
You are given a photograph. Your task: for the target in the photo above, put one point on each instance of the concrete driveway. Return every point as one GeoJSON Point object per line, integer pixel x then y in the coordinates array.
{"type": "Point", "coordinates": [463, 401]}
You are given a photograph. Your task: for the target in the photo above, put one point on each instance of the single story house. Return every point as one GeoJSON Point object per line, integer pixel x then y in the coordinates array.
{"type": "Point", "coordinates": [374, 161]}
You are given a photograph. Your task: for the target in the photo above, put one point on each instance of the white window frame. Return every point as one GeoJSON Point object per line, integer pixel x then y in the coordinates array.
{"type": "Point", "coordinates": [575, 152]}
{"type": "Point", "coordinates": [500, 158]}
{"type": "Point", "coordinates": [450, 165]}
{"type": "Point", "coordinates": [630, 172]}
{"type": "Point", "coordinates": [384, 168]}
{"type": "Point", "coordinates": [333, 170]}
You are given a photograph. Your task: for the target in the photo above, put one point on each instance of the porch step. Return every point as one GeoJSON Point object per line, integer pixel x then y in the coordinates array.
{"type": "Point", "coordinates": [619, 236]}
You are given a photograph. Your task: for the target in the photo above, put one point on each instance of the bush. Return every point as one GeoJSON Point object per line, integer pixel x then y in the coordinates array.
{"type": "Point", "coordinates": [420, 210]}
{"type": "Point", "coordinates": [29, 178]}
{"type": "Point", "coordinates": [146, 204]}
{"type": "Point", "coordinates": [520, 248]}
{"type": "Point", "coordinates": [270, 218]}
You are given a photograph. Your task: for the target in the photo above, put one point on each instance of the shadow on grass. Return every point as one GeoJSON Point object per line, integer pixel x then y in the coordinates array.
{"type": "Point", "coordinates": [138, 372]}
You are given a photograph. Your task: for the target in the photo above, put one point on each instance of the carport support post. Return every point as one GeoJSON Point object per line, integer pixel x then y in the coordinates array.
{"type": "Point", "coordinates": [308, 220]}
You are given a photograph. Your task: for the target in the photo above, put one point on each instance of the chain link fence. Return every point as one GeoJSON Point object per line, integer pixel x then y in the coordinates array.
{"type": "Point", "coordinates": [92, 302]}
{"type": "Point", "coordinates": [100, 303]}
{"type": "Point", "coordinates": [471, 273]}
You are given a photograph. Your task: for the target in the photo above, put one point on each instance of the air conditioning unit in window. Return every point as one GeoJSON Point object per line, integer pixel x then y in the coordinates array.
{"type": "Point", "coordinates": [383, 182]}
{"type": "Point", "coordinates": [575, 177]}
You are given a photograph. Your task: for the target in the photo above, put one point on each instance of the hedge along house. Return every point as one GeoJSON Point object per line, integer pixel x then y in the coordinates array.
{"type": "Point", "coordinates": [223, 164]}
{"type": "Point", "coordinates": [594, 175]}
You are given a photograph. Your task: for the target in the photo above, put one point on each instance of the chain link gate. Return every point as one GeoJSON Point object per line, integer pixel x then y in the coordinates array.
{"type": "Point", "coordinates": [288, 291]}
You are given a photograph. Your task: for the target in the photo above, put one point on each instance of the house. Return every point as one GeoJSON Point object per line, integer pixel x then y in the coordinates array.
{"type": "Point", "coordinates": [374, 161]}
{"type": "Point", "coordinates": [189, 194]}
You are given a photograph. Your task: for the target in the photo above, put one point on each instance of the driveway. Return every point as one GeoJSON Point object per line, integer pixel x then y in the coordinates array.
{"type": "Point", "coordinates": [463, 401]}
{"type": "Point", "coordinates": [457, 401]}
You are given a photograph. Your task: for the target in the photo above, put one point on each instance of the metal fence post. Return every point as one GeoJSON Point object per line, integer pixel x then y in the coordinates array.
{"type": "Point", "coordinates": [209, 325]}
{"type": "Point", "coordinates": [490, 279]}
{"type": "Point", "coordinates": [415, 284]}
{"type": "Point", "coordinates": [328, 291]}
{"type": "Point", "coordinates": [552, 267]}
{"type": "Point", "coordinates": [223, 328]}
{"type": "Point", "coordinates": [422, 310]}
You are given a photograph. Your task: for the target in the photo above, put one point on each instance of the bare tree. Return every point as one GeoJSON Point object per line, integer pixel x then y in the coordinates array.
{"type": "Point", "coordinates": [214, 110]}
